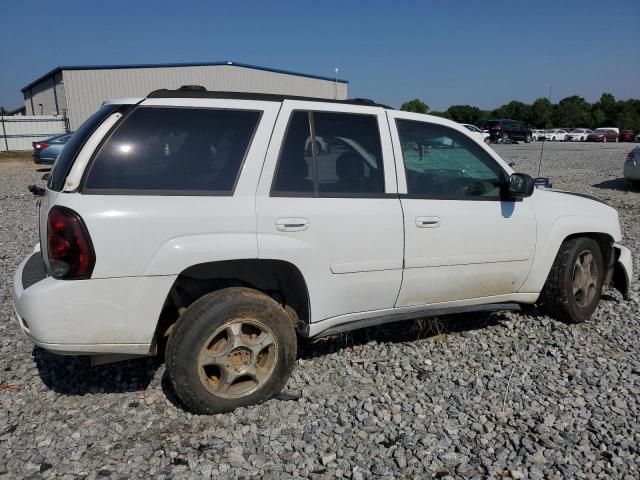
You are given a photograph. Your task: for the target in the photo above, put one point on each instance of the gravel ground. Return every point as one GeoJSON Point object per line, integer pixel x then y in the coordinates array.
{"type": "Point", "coordinates": [475, 396]}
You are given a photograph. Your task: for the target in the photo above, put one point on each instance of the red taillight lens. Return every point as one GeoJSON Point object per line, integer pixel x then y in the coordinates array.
{"type": "Point", "coordinates": [40, 146]}
{"type": "Point", "coordinates": [70, 251]}
{"type": "Point", "coordinates": [498, 127]}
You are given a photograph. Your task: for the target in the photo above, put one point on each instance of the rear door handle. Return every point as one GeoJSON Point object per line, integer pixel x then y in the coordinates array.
{"type": "Point", "coordinates": [292, 224]}
{"type": "Point", "coordinates": [427, 222]}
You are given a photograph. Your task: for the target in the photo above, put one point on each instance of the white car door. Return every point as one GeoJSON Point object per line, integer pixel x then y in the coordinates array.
{"type": "Point", "coordinates": [462, 239]}
{"type": "Point", "coordinates": [333, 210]}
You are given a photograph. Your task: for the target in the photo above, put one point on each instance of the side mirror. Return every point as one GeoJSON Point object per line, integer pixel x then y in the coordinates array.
{"type": "Point", "coordinates": [520, 185]}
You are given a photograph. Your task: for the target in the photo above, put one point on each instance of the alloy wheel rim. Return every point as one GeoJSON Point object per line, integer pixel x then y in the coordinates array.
{"type": "Point", "coordinates": [238, 358]}
{"type": "Point", "coordinates": [585, 278]}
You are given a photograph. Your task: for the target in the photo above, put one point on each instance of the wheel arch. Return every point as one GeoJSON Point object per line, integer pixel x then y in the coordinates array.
{"type": "Point", "coordinates": [281, 280]}
{"type": "Point", "coordinates": [544, 260]}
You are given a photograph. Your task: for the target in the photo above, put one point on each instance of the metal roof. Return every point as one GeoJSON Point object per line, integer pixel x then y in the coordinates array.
{"type": "Point", "coordinates": [174, 65]}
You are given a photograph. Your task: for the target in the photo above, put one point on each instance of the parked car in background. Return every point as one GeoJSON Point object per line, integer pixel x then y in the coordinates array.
{"type": "Point", "coordinates": [632, 167]}
{"type": "Point", "coordinates": [627, 136]}
{"type": "Point", "coordinates": [638, 138]}
{"type": "Point", "coordinates": [479, 134]}
{"type": "Point", "coordinates": [46, 151]}
{"type": "Point", "coordinates": [555, 135]}
{"type": "Point", "coordinates": [603, 135]}
{"type": "Point", "coordinates": [578, 135]}
{"type": "Point", "coordinates": [537, 134]}
{"type": "Point", "coordinates": [511, 129]}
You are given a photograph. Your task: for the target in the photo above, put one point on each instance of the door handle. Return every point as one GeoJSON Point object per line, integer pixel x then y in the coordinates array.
{"type": "Point", "coordinates": [292, 224]}
{"type": "Point", "coordinates": [427, 222]}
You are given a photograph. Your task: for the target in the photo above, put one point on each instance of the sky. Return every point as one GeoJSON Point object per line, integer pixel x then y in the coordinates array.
{"type": "Point", "coordinates": [443, 52]}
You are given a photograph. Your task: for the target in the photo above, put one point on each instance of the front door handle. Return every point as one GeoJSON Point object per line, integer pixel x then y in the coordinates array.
{"type": "Point", "coordinates": [292, 224]}
{"type": "Point", "coordinates": [427, 222]}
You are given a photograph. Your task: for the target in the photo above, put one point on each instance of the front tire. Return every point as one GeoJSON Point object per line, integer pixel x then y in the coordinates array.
{"type": "Point", "coordinates": [231, 348]}
{"type": "Point", "coordinates": [574, 285]}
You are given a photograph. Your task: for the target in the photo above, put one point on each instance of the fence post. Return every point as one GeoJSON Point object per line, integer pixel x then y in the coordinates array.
{"type": "Point", "coordinates": [4, 132]}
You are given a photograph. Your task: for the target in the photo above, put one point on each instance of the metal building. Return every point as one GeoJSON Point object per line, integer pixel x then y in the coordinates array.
{"type": "Point", "coordinates": [79, 91]}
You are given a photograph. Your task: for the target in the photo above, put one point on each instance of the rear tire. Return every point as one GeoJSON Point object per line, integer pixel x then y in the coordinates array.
{"type": "Point", "coordinates": [231, 348]}
{"type": "Point", "coordinates": [574, 285]}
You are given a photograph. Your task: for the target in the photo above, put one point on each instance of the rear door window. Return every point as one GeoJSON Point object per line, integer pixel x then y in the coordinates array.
{"type": "Point", "coordinates": [330, 154]}
{"type": "Point", "coordinates": [160, 150]}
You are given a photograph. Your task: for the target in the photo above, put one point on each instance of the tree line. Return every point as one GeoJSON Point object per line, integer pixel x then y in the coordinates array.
{"type": "Point", "coordinates": [570, 112]}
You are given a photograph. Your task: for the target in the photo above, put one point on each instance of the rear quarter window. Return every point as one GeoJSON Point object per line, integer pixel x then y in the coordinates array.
{"type": "Point", "coordinates": [162, 150]}
{"type": "Point", "coordinates": [76, 142]}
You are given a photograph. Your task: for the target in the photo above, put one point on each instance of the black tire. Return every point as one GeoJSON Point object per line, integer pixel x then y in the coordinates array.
{"type": "Point", "coordinates": [527, 139]}
{"type": "Point", "coordinates": [194, 330]}
{"type": "Point", "coordinates": [558, 297]}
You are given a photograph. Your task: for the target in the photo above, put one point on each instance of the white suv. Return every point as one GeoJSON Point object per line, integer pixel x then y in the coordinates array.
{"type": "Point", "coordinates": [206, 220]}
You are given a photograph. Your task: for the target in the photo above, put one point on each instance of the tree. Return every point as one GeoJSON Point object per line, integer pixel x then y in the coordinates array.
{"type": "Point", "coordinates": [573, 111]}
{"type": "Point", "coordinates": [464, 114]}
{"type": "Point", "coordinates": [416, 105]}
{"type": "Point", "coordinates": [541, 113]}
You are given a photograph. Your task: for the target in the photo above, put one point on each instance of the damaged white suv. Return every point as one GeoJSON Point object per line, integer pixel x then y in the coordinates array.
{"type": "Point", "coordinates": [229, 224]}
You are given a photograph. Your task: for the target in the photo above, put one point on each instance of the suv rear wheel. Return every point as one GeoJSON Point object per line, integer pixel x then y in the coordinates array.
{"type": "Point", "coordinates": [231, 348]}
{"type": "Point", "coordinates": [574, 284]}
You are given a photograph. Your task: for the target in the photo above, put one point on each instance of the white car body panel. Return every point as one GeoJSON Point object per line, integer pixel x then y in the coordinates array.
{"type": "Point", "coordinates": [474, 239]}
{"type": "Point", "coordinates": [359, 257]}
{"type": "Point", "coordinates": [362, 273]}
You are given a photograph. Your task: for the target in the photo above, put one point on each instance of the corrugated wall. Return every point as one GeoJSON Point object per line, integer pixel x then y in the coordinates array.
{"type": "Point", "coordinates": [87, 89]}
{"type": "Point", "coordinates": [41, 99]}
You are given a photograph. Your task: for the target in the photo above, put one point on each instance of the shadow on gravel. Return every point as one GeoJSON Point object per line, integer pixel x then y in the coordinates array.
{"type": "Point", "coordinates": [400, 332]}
{"type": "Point", "coordinates": [72, 375]}
{"type": "Point", "coordinates": [616, 184]}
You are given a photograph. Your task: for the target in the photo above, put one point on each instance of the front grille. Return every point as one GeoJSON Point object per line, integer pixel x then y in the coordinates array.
{"type": "Point", "coordinates": [33, 271]}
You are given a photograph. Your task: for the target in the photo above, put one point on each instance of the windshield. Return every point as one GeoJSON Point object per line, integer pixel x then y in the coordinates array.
{"type": "Point", "coordinates": [64, 161]}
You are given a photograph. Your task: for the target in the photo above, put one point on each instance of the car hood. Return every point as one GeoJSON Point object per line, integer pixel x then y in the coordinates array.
{"type": "Point", "coordinates": [551, 205]}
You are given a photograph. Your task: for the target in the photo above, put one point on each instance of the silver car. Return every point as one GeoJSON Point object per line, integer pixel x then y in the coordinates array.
{"type": "Point", "coordinates": [632, 167]}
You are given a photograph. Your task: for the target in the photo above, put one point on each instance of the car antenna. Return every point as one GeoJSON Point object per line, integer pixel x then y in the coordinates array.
{"type": "Point", "coordinates": [543, 181]}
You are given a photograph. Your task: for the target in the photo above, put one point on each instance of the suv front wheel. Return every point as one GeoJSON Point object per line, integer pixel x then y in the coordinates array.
{"type": "Point", "coordinates": [574, 284]}
{"type": "Point", "coordinates": [231, 348]}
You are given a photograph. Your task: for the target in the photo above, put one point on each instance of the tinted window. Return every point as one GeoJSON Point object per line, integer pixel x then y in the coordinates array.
{"type": "Point", "coordinates": [175, 150]}
{"type": "Point", "coordinates": [74, 145]}
{"type": "Point", "coordinates": [440, 162]}
{"type": "Point", "coordinates": [328, 153]}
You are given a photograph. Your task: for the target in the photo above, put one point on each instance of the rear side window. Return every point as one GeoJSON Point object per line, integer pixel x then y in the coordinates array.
{"type": "Point", "coordinates": [76, 142]}
{"type": "Point", "coordinates": [174, 151]}
{"type": "Point", "coordinates": [330, 154]}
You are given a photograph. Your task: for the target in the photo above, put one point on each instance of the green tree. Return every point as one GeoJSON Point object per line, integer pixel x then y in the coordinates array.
{"type": "Point", "coordinates": [607, 105]}
{"type": "Point", "coordinates": [464, 114]}
{"type": "Point", "coordinates": [541, 113]}
{"type": "Point", "coordinates": [416, 105]}
{"type": "Point", "coordinates": [573, 111]}
{"type": "Point", "coordinates": [514, 110]}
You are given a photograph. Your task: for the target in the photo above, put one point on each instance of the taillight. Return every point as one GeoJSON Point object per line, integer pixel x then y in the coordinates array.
{"type": "Point", "coordinates": [631, 155]}
{"type": "Point", "coordinates": [40, 146]}
{"type": "Point", "coordinates": [69, 246]}
{"type": "Point", "coordinates": [498, 127]}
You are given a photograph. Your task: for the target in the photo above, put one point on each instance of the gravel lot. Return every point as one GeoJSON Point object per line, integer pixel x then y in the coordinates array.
{"type": "Point", "coordinates": [475, 396]}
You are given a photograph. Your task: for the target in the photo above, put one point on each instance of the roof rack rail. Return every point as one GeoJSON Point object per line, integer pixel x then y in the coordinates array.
{"type": "Point", "coordinates": [198, 91]}
{"type": "Point", "coordinates": [192, 88]}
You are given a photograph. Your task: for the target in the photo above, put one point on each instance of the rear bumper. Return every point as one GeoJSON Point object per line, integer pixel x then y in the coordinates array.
{"type": "Point", "coordinates": [87, 317]}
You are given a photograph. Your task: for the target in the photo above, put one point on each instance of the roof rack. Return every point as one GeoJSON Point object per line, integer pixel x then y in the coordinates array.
{"type": "Point", "coordinates": [198, 91]}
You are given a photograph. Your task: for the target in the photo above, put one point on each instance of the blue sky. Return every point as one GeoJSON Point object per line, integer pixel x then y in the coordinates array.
{"type": "Point", "coordinates": [455, 52]}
